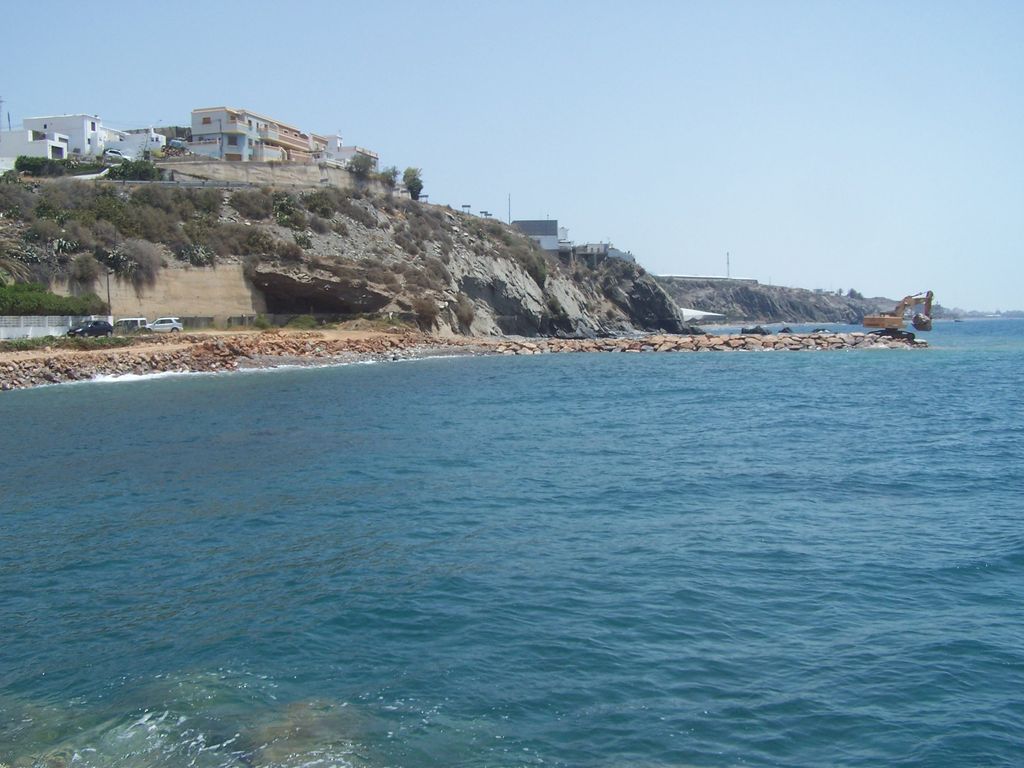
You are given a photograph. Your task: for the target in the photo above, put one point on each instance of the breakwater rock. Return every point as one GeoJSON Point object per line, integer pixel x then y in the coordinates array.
{"type": "Point", "coordinates": [751, 342]}
{"type": "Point", "coordinates": [202, 353]}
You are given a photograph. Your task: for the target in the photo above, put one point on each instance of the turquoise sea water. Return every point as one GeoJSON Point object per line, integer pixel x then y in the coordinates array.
{"type": "Point", "coordinates": [794, 559]}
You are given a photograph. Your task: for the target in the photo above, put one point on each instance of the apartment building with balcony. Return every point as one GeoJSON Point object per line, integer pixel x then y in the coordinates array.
{"type": "Point", "coordinates": [240, 135]}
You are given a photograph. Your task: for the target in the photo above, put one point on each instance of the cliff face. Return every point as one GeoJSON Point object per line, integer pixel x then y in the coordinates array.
{"type": "Point", "coordinates": [745, 302]}
{"type": "Point", "coordinates": [448, 271]}
{"type": "Point", "coordinates": [328, 251]}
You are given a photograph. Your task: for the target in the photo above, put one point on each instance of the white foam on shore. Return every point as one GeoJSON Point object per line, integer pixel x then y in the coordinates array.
{"type": "Point", "coordinates": [268, 367]}
{"type": "Point", "coordinates": [123, 378]}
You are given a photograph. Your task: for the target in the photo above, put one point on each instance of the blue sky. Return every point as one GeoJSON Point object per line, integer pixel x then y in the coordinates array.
{"type": "Point", "coordinates": [872, 145]}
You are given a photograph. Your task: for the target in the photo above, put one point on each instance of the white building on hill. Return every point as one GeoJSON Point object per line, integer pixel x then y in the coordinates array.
{"type": "Point", "coordinates": [59, 137]}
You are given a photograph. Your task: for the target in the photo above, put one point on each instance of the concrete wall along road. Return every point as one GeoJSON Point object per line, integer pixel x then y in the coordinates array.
{"type": "Point", "coordinates": [218, 292]}
{"type": "Point", "coordinates": [191, 169]}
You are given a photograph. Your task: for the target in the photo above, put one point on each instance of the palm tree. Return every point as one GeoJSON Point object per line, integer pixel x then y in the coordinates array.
{"type": "Point", "coordinates": [12, 270]}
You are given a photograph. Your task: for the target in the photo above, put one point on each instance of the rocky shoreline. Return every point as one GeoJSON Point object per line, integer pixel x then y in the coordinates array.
{"type": "Point", "coordinates": [214, 353]}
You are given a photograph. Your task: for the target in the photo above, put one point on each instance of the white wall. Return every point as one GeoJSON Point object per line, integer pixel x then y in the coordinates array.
{"type": "Point", "coordinates": [85, 132]}
{"type": "Point", "coordinates": [16, 143]}
{"type": "Point", "coordinates": [28, 327]}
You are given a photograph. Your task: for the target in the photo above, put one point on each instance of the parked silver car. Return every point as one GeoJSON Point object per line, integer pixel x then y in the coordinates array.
{"type": "Point", "coordinates": [166, 325]}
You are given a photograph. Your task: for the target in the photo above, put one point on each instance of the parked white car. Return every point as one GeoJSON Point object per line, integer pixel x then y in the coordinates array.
{"type": "Point", "coordinates": [131, 325]}
{"type": "Point", "coordinates": [114, 156]}
{"type": "Point", "coordinates": [166, 325]}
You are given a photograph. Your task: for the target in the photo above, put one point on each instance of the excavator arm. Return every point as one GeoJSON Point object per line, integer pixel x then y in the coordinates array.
{"type": "Point", "coordinates": [922, 321]}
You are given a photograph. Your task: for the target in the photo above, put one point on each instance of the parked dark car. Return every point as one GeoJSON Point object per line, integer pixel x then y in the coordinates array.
{"type": "Point", "coordinates": [92, 328]}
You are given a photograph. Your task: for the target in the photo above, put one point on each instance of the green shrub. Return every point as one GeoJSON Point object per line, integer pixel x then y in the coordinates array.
{"type": "Point", "coordinates": [66, 342]}
{"type": "Point", "coordinates": [196, 255]}
{"type": "Point", "coordinates": [388, 177]}
{"type": "Point", "coordinates": [259, 242]}
{"type": "Point", "coordinates": [303, 240]}
{"type": "Point", "coordinates": [321, 202]}
{"type": "Point", "coordinates": [303, 322]}
{"type": "Point", "coordinates": [413, 180]}
{"type": "Point", "coordinates": [361, 166]}
{"type": "Point", "coordinates": [261, 322]}
{"type": "Point", "coordinates": [35, 299]}
{"type": "Point", "coordinates": [39, 166]}
{"type": "Point", "coordinates": [134, 170]}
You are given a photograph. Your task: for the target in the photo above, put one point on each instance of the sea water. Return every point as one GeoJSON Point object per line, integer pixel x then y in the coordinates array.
{"type": "Point", "coordinates": [692, 559]}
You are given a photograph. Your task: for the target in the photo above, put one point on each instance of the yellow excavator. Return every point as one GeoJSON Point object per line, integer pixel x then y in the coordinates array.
{"type": "Point", "coordinates": [894, 320]}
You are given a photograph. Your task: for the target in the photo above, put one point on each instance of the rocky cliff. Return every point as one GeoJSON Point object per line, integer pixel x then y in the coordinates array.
{"type": "Point", "coordinates": [749, 302]}
{"type": "Point", "coordinates": [329, 252]}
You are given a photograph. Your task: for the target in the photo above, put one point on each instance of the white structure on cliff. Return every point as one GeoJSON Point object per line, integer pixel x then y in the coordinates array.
{"type": "Point", "coordinates": [240, 135]}
{"type": "Point", "coordinates": [59, 137]}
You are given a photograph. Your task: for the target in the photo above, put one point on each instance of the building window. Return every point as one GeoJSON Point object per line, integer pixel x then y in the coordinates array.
{"type": "Point", "coordinates": [92, 126]}
{"type": "Point", "coordinates": [233, 141]}
{"type": "Point", "coordinates": [207, 120]}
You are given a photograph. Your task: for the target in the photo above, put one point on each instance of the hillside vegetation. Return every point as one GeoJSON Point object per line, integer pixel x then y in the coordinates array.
{"type": "Point", "coordinates": [327, 252]}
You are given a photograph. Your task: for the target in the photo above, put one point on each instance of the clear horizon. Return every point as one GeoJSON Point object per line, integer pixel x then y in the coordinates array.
{"type": "Point", "coordinates": [873, 146]}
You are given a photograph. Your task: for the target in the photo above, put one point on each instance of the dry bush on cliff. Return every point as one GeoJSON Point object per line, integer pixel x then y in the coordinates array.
{"type": "Point", "coordinates": [137, 260]}
{"type": "Point", "coordinates": [105, 234]}
{"type": "Point", "coordinates": [426, 311]}
{"type": "Point", "coordinates": [16, 201]}
{"type": "Point", "coordinates": [291, 252]}
{"type": "Point", "coordinates": [319, 225]}
{"type": "Point", "coordinates": [464, 311]}
{"type": "Point", "coordinates": [78, 233]}
{"type": "Point", "coordinates": [84, 270]}
{"type": "Point", "coordinates": [356, 212]}
{"type": "Point", "coordinates": [255, 204]}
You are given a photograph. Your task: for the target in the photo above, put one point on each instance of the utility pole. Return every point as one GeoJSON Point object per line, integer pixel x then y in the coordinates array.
{"type": "Point", "coordinates": [509, 207]}
{"type": "Point", "coordinates": [727, 265]}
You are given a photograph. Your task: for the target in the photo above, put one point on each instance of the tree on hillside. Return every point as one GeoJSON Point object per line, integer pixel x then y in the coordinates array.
{"type": "Point", "coordinates": [413, 180]}
{"type": "Point", "coordinates": [388, 177]}
{"type": "Point", "coordinates": [361, 166]}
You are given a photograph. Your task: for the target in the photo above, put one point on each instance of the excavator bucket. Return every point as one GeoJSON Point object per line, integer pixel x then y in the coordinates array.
{"type": "Point", "coordinates": [922, 322]}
